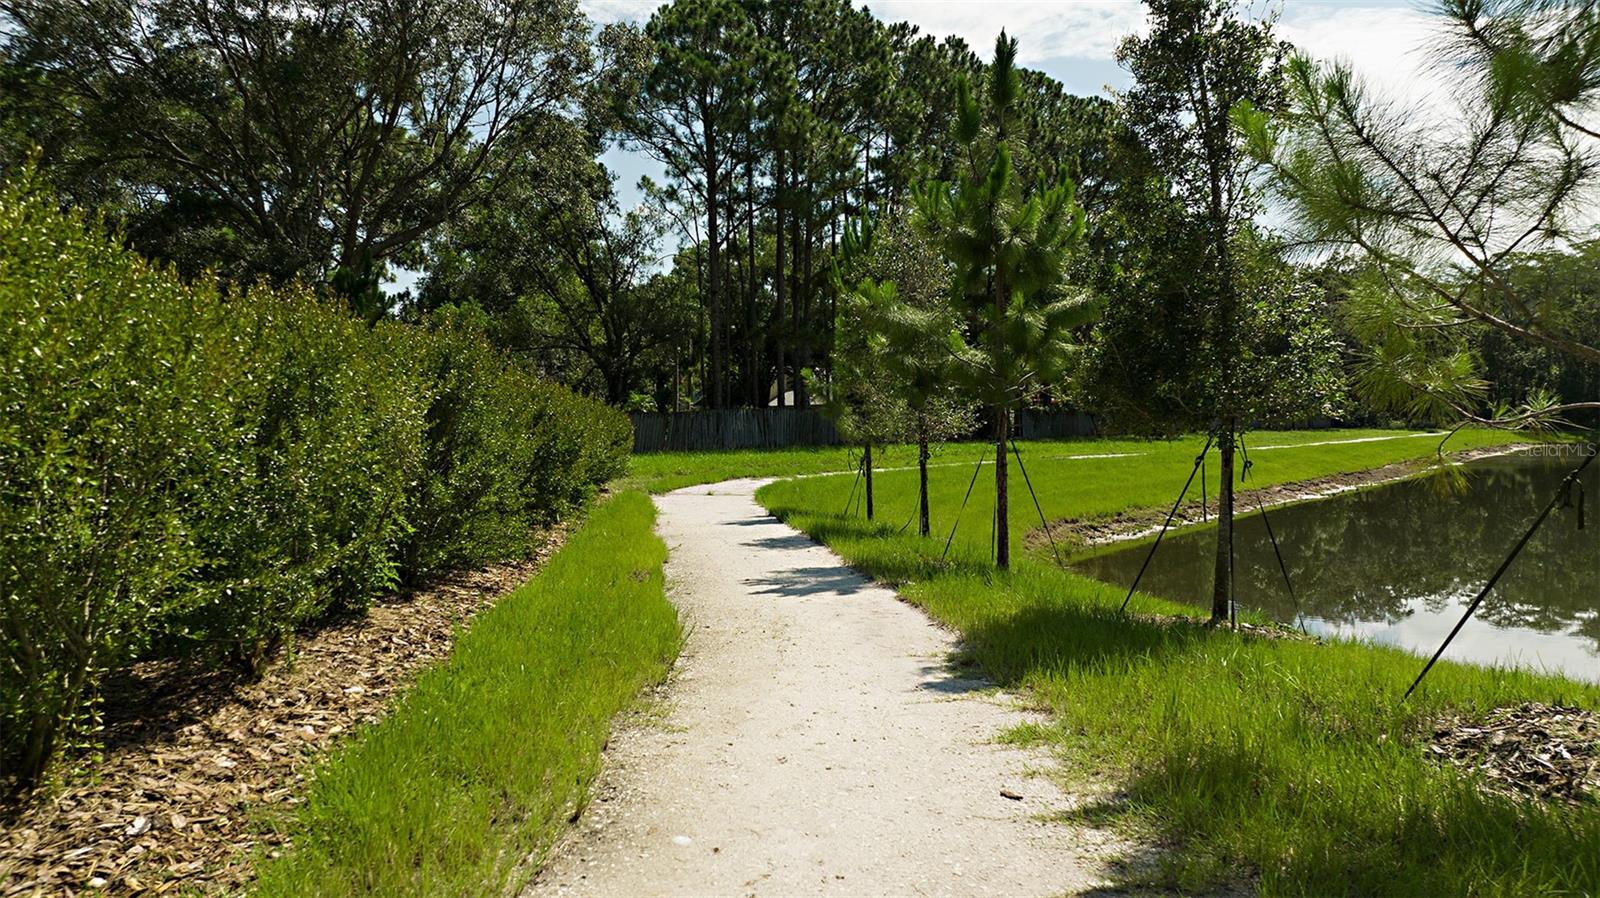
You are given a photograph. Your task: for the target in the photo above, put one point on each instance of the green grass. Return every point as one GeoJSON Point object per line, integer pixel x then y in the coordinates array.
{"type": "Point", "coordinates": [482, 762]}
{"type": "Point", "coordinates": [1292, 766]}
{"type": "Point", "coordinates": [1072, 484]}
{"type": "Point", "coordinates": [662, 471]}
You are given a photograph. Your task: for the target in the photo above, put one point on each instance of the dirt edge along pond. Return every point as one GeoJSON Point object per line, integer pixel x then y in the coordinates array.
{"type": "Point", "coordinates": [1080, 534]}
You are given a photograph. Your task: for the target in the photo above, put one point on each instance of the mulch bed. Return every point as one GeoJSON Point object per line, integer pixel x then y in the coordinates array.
{"type": "Point", "coordinates": [196, 762]}
{"type": "Point", "coordinates": [1545, 752]}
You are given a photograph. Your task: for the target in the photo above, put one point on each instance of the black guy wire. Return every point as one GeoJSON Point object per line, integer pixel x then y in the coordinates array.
{"type": "Point", "coordinates": [1563, 490]}
{"type": "Point", "coordinates": [854, 484]}
{"type": "Point", "coordinates": [1298, 619]}
{"type": "Point", "coordinates": [1042, 522]}
{"type": "Point", "coordinates": [1199, 466]}
{"type": "Point", "coordinates": [970, 485]}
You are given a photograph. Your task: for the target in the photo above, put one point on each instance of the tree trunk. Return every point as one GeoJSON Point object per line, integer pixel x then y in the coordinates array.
{"type": "Point", "coordinates": [803, 304]}
{"type": "Point", "coordinates": [699, 349]}
{"type": "Point", "coordinates": [868, 462]}
{"type": "Point", "coordinates": [719, 361]}
{"type": "Point", "coordinates": [797, 297]}
{"type": "Point", "coordinates": [778, 279]}
{"type": "Point", "coordinates": [1002, 528]}
{"type": "Point", "coordinates": [752, 355]}
{"type": "Point", "coordinates": [922, 483]}
{"type": "Point", "coordinates": [1222, 585]}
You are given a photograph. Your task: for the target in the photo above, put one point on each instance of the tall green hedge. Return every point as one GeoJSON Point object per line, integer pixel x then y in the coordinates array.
{"type": "Point", "coordinates": [189, 471]}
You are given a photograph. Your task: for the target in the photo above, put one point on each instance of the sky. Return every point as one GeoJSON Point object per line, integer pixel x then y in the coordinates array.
{"type": "Point", "coordinates": [1075, 41]}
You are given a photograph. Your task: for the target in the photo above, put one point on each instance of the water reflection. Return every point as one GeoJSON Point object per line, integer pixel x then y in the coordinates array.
{"type": "Point", "coordinates": [1398, 564]}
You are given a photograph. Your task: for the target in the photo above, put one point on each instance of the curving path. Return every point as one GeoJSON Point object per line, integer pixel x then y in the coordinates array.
{"type": "Point", "coordinates": [814, 742]}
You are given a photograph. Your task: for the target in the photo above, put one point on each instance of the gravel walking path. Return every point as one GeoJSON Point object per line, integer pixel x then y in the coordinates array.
{"type": "Point", "coordinates": [814, 741]}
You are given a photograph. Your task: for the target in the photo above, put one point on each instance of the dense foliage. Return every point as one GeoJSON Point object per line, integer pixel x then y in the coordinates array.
{"type": "Point", "coordinates": [193, 471]}
{"type": "Point", "coordinates": [776, 125]}
{"type": "Point", "coordinates": [1456, 222]}
{"type": "Point", "coordinates": [322, 140]}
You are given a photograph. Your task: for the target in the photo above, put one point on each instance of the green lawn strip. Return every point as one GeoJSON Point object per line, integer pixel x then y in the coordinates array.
{"type": "Point", "coordinates": [1296, 764]}
{"type": "Point", "coordinates": [663, 471]}
{"type": "Point", "coordinates": [1145, 474]}
{"type": "Point", "coordinates": [482, 762]}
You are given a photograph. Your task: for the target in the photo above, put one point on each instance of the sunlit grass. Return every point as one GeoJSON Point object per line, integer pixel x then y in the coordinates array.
{"type": "Point", "coordinates": [1088, 479]}
{"type": "Point", "coordinates": [663, 471]}
{"type": "Point", "coordinates": [1293, 766]}
{"type": "Point", "coordinates": [482, 762]}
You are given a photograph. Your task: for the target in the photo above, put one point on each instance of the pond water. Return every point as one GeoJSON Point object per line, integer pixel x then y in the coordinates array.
{"type": "Point", "coordinates": [1399, 563]}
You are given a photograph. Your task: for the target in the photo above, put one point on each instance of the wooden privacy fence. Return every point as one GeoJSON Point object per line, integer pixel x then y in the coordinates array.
{"type": "Point", "coordinates": [731, 428]}
{"type": "Point", "coordinates": [1048, 424]}
{"type": "Point", "coordinates": [772, 428]}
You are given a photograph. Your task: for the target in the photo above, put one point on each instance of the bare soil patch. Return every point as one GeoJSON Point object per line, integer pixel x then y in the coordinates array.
{"type": "Point", "coordinates": [1080, 533]}
{"type": "Point", "coordinates": [1545, 752]}
{"type": "Point", "coordinates": [197, 764]}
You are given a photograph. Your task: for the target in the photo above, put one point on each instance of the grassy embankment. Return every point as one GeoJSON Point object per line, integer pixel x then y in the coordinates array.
{"type": "Point", "coordinates": [663, 471]}
{"type": "Point", "coordinates": [482, 762]}
{"type": "Point", "coordinates": [1293, 763]}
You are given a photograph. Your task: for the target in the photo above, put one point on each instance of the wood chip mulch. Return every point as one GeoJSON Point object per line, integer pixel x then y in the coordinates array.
{"type": "Point", "coordinates": [1544, 752]}
{"type": "Point", "coordinates": [195, 762]}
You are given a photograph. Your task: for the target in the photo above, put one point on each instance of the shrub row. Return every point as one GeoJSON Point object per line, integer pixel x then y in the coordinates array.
{"type": "Point", "coordinates": [188, 470]}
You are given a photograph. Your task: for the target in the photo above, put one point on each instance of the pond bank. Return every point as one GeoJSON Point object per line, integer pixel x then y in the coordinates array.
{"type": "Point", "coordinates": [1281, 766]}
{"type": "Point", "coordinates": [1398, 563]}
{"type": "Point", "coordinates": [1136, 524]}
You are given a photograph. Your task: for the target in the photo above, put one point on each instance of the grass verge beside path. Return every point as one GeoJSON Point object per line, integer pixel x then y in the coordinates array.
{"type": "Point", "coordinates": [1295, 766]}
{"type": "Point", "coordinates": [481, 763]}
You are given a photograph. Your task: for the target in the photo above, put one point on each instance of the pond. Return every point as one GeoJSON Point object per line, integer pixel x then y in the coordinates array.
{"type": "Point", "coordinates": [1399, 563]}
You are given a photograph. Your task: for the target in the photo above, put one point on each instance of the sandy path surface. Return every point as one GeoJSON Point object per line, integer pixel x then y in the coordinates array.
{"type": "Point", "coordinates": [814, 742]}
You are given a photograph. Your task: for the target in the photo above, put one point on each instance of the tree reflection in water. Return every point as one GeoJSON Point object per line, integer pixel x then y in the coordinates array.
{"type": "Point", "coordinates": [1397, 563]}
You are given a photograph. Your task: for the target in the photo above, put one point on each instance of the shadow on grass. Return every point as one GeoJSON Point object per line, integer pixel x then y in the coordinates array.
{"type": "Point", "coordinates": [1240, 774]}
{"type": "Point", "coordinates": [1220, 803]}
{"type": "Point", "coordinates": [1064, 637]}
{"type": "Point", "coordinates": [886, 553]}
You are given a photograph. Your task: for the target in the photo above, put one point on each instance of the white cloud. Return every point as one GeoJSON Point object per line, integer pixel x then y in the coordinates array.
{"type": "Point", "coordinates": [1045, 29]}
{"type": "Point", "coordinates": [604, 12]}
{"type": "Point", "coordinates": [1387, 46]}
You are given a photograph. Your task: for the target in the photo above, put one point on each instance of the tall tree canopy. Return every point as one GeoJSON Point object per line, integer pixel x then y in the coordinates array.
{"type": "Point", "coordinates": [296, 138]}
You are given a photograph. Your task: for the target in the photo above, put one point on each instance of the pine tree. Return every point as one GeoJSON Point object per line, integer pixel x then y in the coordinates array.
{"type": "Point", "coordinates": [1010, 246]}
{"type": "Point", "coordinates": [1442, 219]}
{"type": "Point", "coordinates": [693, 116]}
{"type": "Point", "coordinates": [901, 303]}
